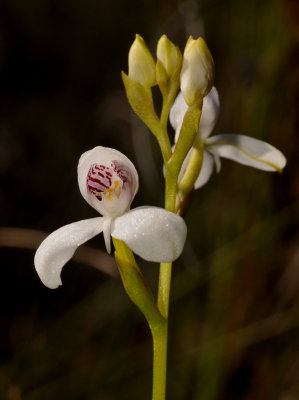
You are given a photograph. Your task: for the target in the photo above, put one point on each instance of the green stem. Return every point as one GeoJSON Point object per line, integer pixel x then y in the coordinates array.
{"type": "Point", "coordinates": [164, 143]}
{"type": "Point", "coordinates": [160, 333]}
{"type": "Point", "coordinates": [170, 188]}
{"type": "Point", "coordinates": [167, 103]}
{"type": "Point", "coordinates": [160, 360]}
{"type": "Point", "coordinates": [172, 169]}
{"type": "Point", "coordinates": [164, 288]}
{"type": "Point", "coordinates": [164, 114]}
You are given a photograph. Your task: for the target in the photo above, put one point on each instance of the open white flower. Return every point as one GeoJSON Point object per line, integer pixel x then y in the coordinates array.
{"type": "Point", "coordinates": [242, 149]}
{"type": "Point", "coordinates": [108, 181]}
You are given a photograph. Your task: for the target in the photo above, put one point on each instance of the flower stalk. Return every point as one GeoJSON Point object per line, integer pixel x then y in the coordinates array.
{"type": "Point", "coordinates": [193, 115]}
{"type": "Point", "coordinates": [160, 336]}
{"type": "Point", "coordinates": [168, 76]}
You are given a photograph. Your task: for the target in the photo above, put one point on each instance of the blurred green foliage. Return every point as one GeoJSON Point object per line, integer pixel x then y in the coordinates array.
{"type": "Point", "coordinates": [235, 305]}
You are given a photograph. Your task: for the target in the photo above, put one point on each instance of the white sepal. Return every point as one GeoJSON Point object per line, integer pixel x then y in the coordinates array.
{"type": "Point", "coordinates": [217, 162]}
{"type": "Point", "coordinates": [153, 233]}
{"type": "Point", "coordinates": [56, 250]}
{"type": "Point", "coordinates": [206, 170]}
{"type": "Point", "coordinates": [246, 150]}
{"type": "Point", "coordinates": [177, 112]}
{"type": "Point", "coordinates": [210, 113]}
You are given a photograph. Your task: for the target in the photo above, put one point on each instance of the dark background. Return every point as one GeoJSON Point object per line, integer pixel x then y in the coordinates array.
{"type": "Point", "coordinates": [234, 305]}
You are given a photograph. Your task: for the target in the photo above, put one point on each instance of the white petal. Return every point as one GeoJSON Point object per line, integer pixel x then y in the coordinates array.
{"type": "Point", "coordinates": [209, 116]}
{"type": "Point", "coordinates": [217, 161]}
{"type": "Point", "coordinates": [206, 170]}
{"type": "Point", "coordinates": [177, 134]}
{"type": "Point", "coordinates": [114, 179]}
{"type": "Point", "coordinates": [246, 150]}
{"type": "Point", "coordinates": [59, 247]}
{"type": "Point", "coordinates": [151, 232]}
{"type": "Point", "coordinates": [210, 113]}
{"type": "Point", "coordinates": [177, 112]}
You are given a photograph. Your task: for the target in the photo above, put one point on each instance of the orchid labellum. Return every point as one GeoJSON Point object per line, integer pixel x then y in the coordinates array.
{"type": "Point", "coordinates": [108, 181]}
{"type": "Point", "coordinates": [242, 149]}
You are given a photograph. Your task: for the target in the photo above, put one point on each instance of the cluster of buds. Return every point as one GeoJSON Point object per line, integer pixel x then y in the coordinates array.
{"type": "Point", "coordinates": [193, 72]}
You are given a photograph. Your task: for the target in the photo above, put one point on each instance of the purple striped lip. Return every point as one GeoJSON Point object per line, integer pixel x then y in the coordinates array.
{"type": "Point", "coordinates": [107, 181]}
{"type": "Point", "coordinates": [99, 180]}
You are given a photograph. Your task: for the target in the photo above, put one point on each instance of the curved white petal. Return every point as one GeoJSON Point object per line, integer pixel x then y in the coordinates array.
{"type": "Point", "coordinates": [206, 170]}
{"type": "Point", "coordinates": [209, 116]}
{"type": "Point", "coordinates": [151, 232]}
{"type": "Point", "coordinates": [210, 113]}
{"type": "Point", "coordinates": [59, 247]}
{"type": "Point", "coordinates": [217, 161]}
{"type": "Point", "coordinates": [108, 180]}
{"type": "Point", "coordinates": [246, 150]}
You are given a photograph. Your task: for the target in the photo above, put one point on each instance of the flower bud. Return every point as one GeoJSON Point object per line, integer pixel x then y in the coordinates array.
{"type": "Point", "coordinates": [142, 66]}
{"type": "Point", "coordinates": [198, 71]}
{"type": "Point", "coordinates": [169, 55]}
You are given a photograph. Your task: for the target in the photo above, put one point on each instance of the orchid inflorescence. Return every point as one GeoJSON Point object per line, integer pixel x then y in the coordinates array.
{"type": "Point", "coordinates": [108, 180]}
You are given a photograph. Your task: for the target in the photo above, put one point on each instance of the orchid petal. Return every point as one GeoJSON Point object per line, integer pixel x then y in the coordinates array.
{"type": "Point", "coordinates": [217, 162]}
{"type": "Point", "coordinates": [246, 150]}
{"type": "Point", "coordinates": [108, 180]}
{"type": "Point", "coordinates": [178, 111]}
{"type": "Point", "coordinates": [209, 115]}
{"type": "Point", "coordinates": [153, 233]}
{"type": "Point", "coordinates": [177, 134]}
{"type": "Point", "coordinates": [56, 250]}
{"type": "Point", "coordinates": [206, 170]}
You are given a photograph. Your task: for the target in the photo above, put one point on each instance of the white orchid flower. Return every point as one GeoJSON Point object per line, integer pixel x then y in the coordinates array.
{"type": "Point", "coordinates": [108, 181]}
{"type": "Point", "coordinates": [242, 149]}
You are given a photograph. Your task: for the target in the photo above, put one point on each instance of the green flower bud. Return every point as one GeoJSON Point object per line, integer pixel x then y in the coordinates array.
{"type": "Point", "coordinates": [142, 66]}
{"type": "Point", "coordinates": [169, 55]}
{"type": "Point", "coordinates": [197, 76]}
